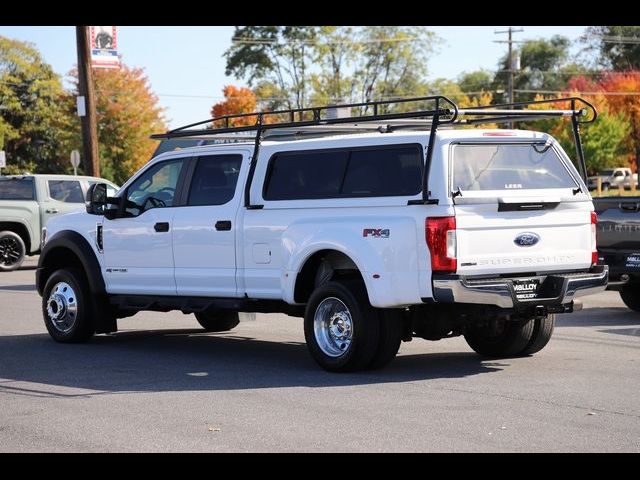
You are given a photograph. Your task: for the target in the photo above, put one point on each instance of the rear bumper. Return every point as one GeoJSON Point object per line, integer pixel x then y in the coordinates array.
{"type": "Point", "coordinates": [555, 289]}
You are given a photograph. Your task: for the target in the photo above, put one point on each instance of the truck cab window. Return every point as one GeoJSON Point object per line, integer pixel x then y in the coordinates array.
{"type": "Point", "coordinates": [155, 188]}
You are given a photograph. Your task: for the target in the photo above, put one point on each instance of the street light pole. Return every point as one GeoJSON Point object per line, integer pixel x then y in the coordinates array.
{"type": "Point", "coordinates": [86, 91]}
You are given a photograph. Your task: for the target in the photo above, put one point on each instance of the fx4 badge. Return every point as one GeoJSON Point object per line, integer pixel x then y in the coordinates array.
{"type": "Point", "coordinates": [376, 232]}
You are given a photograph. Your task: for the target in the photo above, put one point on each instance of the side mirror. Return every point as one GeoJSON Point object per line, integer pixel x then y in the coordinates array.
{"type": "Point", "coordinates": [96, 199]}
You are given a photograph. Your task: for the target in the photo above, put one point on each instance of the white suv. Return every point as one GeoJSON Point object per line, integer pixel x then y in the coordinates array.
{"type": "Point", "coordinates": [333, 220]}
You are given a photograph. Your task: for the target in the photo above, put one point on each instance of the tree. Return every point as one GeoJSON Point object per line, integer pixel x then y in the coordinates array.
{"type": "Point", "coordinates": [627, 104]}
{"type": "Point", "coordinates": [300, 66]}
{"type": "Point", "coordinates": [477, 81]}
{"type": "Point", "coordinates": [30, 96]}
{"type": "Point", "coordinates": [278, 55]}
{"type": "Point", "coordinates": [236, 100]}
{"type": "Point", "coordinates": [127, 113]}
{"type": "Point", "coordinates": [334, 53]}
{"type": "Point", "coordinates": [392, 61]}
{"type": "Point", "coordinates": [617, 48]}
{"type": "Point", "coordinates": [544, 65]}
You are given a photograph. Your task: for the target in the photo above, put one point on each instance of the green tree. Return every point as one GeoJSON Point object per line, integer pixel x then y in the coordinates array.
{"type": "Point", "coordinates": [476, 81]}
{"type": "Point", "coordinates": [392, 61]}
{"type": "Point", "coordinates": [334, 53]}
{"type": "Point", "coordinates": [617, 48]}
{"type": "Point", "coordinates": [300, 66]}
{"type": "Point", "coordinates": [127, 114]}
{"type": "Point", "coordinates": [280, 56]}
{"type": "Point", "coordinates": [603, 142]}
{"type": "Point", "coordinates": [30, 96]}
{"type": "Point", "coordinates": [544, 65]}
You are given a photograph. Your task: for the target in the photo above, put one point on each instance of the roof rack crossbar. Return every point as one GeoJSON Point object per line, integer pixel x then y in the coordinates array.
{"type": "Point", "coordinates": [450, 111]}
{"type": "Point", "coordinates": [574, 111]}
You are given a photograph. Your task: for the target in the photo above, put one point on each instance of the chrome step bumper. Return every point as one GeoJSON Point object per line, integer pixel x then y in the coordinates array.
{"type": "Point", "coordinates": [555, 289]}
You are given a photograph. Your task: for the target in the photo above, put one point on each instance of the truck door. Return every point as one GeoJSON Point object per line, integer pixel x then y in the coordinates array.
{"type": "Point", "coordinates": [205, 229]}
{"type": "Point", "coordinates": [138, 247]}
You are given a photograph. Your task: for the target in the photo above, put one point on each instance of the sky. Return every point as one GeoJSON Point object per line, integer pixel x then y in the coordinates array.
{"type": "Point", "coordinates": [185, 65]}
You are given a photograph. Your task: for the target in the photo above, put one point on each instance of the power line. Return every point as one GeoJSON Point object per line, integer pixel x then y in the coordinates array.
{"type": "Point", "coordinates": [580, 93]}
{"type": "Point", "coordinates": [276, 42]}
{"type": "Point", "coordinates": [613, 39]}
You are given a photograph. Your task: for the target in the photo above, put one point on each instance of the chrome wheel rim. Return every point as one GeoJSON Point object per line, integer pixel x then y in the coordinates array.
{"type": "Point", "coordinates": [333, 327]}
{"type": "Point", "coordinates": [10, 251]}
{"type": "Point", "coordinates": [62, 307]}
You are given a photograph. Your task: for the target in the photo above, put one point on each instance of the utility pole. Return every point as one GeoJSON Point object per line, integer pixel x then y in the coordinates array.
{"type": "Point", "coordinates": [510, 69]}
{"type": "Point", "coordinates": [87, 110]}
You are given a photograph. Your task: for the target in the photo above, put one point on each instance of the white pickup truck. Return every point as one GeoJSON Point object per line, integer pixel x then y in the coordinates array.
{"type": "Point", "coordinates": [613, 178]}
{"type": "Point", "coordinates": [342, 229]}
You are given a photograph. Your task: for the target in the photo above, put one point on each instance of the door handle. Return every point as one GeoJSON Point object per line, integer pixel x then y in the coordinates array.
{"type": "Point", "coordinates": [51, 210]}
{"type": "Point", "coordinates": [222, 225]}
{"type": "Point", "coordinates": [161, 227]}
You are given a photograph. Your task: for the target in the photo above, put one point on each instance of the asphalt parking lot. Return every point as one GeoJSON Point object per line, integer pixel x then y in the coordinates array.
{"type": "Point", "coordinates": [160, 385]}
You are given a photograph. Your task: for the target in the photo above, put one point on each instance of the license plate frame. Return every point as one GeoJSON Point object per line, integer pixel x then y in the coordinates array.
{"type": "Point", "coordinates": [632, 260]}
{"type": "Point", "coordinates": [527, 288]}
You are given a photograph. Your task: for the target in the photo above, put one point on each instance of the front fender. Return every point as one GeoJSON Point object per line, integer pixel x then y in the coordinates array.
{"type": "Point", "coordinates": [77, 244]}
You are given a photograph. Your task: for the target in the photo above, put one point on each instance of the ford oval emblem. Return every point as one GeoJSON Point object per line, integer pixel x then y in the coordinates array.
{"type": "Point", "coordinates": [527, 239]}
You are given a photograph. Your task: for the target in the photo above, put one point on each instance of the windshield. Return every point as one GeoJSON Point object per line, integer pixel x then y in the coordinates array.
{"type": "Point", "coordinates": [508, 167]}
{"type": "Point", "coordinates": [606, 173]}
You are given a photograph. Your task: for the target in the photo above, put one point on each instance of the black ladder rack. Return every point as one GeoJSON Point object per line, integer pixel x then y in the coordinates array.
{"type": "Point", "coordinates": [442, 111]}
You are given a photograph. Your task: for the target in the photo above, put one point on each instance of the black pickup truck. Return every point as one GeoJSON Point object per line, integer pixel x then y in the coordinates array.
{"type": "Point", "coordinates": [618, 240]}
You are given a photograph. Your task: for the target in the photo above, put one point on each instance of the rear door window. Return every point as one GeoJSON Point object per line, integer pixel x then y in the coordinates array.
{"type": "Point", "coordinates": [12, 188]}
{"type": "Point", "coordinates": [508, 167]}
{"type": "Point", "coordinates": [214, 181]}
{"type": "Point", "coordinates": [68, 191]}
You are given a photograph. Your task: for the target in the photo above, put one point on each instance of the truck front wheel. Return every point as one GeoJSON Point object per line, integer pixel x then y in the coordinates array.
{"type": "Point", "coordinates": [630, 295]}
{"type": "Point", "coordinates": [67, 307]}
{"type": "Point", "coordinates": [503, 338]}
{"type": "Point", "coordinates": [218, 321]}
{"type": "Point", "coordinates": [12, 251]}
{"type": "Point", "coordinates": [341, 328]}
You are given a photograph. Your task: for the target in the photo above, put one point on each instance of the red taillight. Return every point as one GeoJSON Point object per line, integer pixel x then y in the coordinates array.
{"type": "Point", "coordinates": [440, 233]}
{"type": "Point", "coordinates": [594, 248]}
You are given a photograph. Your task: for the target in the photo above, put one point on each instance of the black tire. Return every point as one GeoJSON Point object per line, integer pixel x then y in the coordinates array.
{"type": "Point", "coordinates": [630, 295]}
{"type": "Point", "coordinates": [542, 331]}
{"type": "Point", "coordinates": [218, 321]}
{"type": "Point", "coordinates": [391, 332]}
{"type": "Point", "coordinates": [510, 342]}
{"type": "Point", "coordinates": [75, 323]}
{"type": "Point", "coordinates": [605, 187]}
{"type": "Point", "coordinates": [12, 251]}
{"type": "Point", "coordinates": [362, 344]}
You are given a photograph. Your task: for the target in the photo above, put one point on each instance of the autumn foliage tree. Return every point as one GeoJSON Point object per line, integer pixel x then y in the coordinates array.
{"type": "Point", "coordinates": [30, 97]}
{"type": "Point", "coordinates": [127, 114]}
{"type": "Point", "coordinates": [236, 100]}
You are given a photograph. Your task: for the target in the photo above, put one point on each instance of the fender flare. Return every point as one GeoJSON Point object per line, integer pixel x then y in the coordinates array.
{"type": "Point", "coordinates": [80, 247]}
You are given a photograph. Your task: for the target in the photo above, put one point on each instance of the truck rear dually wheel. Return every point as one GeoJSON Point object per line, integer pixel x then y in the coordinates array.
{"type": "Point", "coordinates": [630, 295]}
{"type": "Point", "coordinates": [542, 331]}
{"type": "Point", "coordinates": [12, 251]}
{"type": "Point", "coordinates": [509, 338]}
{"type": "Point", "coordinates": [341, 328]}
